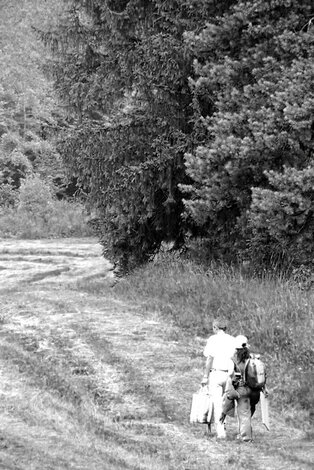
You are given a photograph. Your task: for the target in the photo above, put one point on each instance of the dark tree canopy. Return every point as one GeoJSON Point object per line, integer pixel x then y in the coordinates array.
{"type": "Point", "coordinates": [254, 110]}
{"type": "Point", "coordinates": [123, 69]}
{"type": "Point", "coordinates": [183, 117]}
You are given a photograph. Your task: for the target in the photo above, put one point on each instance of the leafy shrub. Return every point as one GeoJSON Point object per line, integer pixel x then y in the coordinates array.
{"type": "Point", "coordinates": [35, 197]}
{"type": "Point", "coordinates": [14, 165]}
{"type": "Point", "coordinates": [64, 219]}
{"type": "Point", "coordinates": [8, 195]}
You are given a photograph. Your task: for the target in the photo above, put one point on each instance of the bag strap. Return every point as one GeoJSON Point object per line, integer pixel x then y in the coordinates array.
{"type": "Point", "coordinates": [245, 370]}
{"type": "Point", "coordinates": [242, 372]}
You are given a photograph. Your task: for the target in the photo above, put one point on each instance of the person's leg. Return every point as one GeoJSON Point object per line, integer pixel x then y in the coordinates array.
{"type": "Point", "coordinates": [220, 426]}
{"type": "Point", "coordinates": [217, 385]}
{"type": "Point", "coordinates": [244, 418]}
{"type": "Point", "coordinates": [254, 399]}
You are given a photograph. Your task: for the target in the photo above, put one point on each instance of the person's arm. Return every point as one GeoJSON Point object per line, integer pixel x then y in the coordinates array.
{"type": "Point", "coordinates": [230, 390]}
{"type": "Point", "coordinates": [208, 367]}
{"type": "Point", "coordinates": [229, 385]}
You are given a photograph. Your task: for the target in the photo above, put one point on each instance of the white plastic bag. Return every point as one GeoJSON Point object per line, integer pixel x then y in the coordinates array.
{"type": "Point", "coordinates": [202, 406]}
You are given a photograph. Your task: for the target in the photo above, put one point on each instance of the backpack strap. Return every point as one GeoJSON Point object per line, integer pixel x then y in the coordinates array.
{"type": "Point", "coordinates": [240, 371]}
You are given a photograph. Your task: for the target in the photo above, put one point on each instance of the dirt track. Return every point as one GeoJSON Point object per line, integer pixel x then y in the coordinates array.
{"type": "Point", "coordinates": [90, 382]}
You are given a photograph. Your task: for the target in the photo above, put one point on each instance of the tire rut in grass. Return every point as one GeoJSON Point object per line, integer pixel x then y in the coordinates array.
{"type": "Point", "coordinates": [39, 372]}
{"type": "Point", "coordinates": [57, 379]}
{"type": "Point", "coordinates": [132, 378]}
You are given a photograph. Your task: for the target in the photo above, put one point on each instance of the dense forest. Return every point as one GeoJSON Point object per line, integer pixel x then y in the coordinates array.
{"type": "Point", "coordinates": [36, 190]}
{"type": "Point", "coordinates": [28, 111]}
{"type": "Point", "coordinates": [177, 119]}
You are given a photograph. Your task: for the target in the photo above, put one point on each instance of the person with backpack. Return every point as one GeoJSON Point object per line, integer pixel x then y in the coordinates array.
{"type": "Point", "coordinates": [218, 352]}
{"type": "Point", "coordinates": [246, 380]}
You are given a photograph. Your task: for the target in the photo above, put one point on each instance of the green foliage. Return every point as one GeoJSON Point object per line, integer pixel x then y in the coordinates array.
{"type": "Point", "coordinates": [122, 69]}
{"type": "Point", "coordinates": [32, 211]}
{"type": "Point", "coordinates": [184, 104]}
{"type": "Point", "coordinates": [8, 195]}
{"type": "Point", "coordinates": [14, 167]}
{"type": "Point", "coordinates": [28, 110]}
{"type": "Point", "coordinates": [26, 98]}
{"type": "Point", "coordinates": [282, 218]}
{"type": "Point", "coordinates": [254, 101]}
{"type": "Point", "coordinates": [36, 197]}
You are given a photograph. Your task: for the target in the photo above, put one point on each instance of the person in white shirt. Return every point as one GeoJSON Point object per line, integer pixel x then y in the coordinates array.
{"type": "Point", "coordinates": [218, 352]}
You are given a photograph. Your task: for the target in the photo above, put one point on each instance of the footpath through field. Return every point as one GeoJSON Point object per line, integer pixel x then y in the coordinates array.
{"type": "Point", "coordinates": [91, 382]}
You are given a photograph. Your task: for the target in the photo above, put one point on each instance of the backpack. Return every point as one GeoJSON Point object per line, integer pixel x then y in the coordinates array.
{"type": "Point", "coordinates": [255, 372]}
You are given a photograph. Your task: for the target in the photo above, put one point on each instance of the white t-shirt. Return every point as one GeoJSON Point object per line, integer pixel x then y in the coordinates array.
{"type": "Point", "coordinates": [220, 347]}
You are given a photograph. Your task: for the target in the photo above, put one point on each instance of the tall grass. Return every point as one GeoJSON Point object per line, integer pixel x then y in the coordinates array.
{"type": "Point", "coordinates": [63, 219]}
{"type": "Point", "coordinates": [276, 316]}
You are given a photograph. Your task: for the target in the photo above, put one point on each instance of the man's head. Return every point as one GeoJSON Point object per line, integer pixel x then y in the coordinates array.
{"type": "Point", "coordinates": [220, 323]}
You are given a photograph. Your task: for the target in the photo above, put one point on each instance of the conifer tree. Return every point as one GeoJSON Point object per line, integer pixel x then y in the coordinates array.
{"type": "Point", "coordinates": [254, 103]}
{"type": "Point", "coordinates": [28, 110]}
{"type": "Point", "coordinates": [122, 68]}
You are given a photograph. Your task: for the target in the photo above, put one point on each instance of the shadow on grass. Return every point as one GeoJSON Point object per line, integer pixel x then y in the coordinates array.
{"type": "Point", "coordinates": [41, 276]}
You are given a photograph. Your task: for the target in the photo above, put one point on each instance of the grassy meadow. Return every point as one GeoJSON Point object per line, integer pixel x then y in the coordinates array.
{"type": "Point", "coordinates": [276, 316]}
{"type": "Point", "coordinates": [98, 374]}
